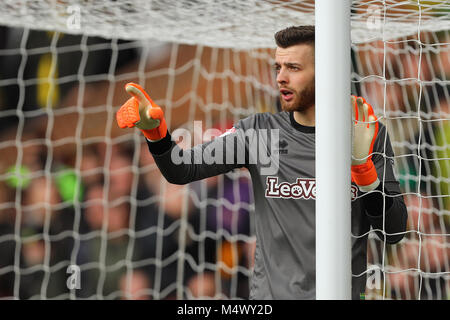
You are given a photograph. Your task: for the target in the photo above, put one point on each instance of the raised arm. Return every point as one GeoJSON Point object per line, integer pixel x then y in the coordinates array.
{"type": "Point", "coordinates": [395, 214]}
{"type": "Point", "coordinates": [372, 171]}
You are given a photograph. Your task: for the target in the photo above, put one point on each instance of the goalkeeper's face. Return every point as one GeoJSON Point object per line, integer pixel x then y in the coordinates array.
{"type": "Point", "coordinates": [295, 77]}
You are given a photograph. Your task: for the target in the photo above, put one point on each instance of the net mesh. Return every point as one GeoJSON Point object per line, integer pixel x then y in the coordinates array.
{"type": "Point", "coordinates": [75, 190]}
{"type": "Point", "coordinates": [406, 80]}
{"type": "Point", "coordinates": [223, 23]}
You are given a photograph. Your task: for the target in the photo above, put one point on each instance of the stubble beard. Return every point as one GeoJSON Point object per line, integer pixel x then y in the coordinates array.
{"type": "Point", "coordinates": [302, 101]}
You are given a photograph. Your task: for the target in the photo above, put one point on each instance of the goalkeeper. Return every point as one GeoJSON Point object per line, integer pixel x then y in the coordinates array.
{"type": "Point", "coordinates": [285, 198]}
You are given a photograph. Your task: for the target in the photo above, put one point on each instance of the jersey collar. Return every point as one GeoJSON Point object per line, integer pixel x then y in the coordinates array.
{"type": "Point", "coordinates": [299, 127]}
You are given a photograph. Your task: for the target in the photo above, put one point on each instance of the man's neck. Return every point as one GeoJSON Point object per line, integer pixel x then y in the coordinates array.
{"type": "Point", "coordinates": [307, 117]}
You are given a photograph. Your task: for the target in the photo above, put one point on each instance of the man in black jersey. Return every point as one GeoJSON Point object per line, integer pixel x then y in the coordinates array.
{"type": "Point", "coordinates": [284, 191]}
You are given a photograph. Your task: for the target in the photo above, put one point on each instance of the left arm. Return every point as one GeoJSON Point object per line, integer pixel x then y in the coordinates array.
{"type": "Point", "coordinates": [372, 171]}
{"type": "Point", "coordinates": [387, 204]}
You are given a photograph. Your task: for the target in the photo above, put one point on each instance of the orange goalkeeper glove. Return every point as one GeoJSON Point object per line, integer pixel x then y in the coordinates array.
{"type": "Point", "coordinates": [142, 112]}
{"type": "Point", "coordinates": [364, 133]}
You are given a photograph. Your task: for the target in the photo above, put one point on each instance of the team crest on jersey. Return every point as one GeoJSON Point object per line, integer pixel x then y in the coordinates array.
{"type": "Point", "coordinates": [229, 131]}
{"type": "Point", "coordinates": [283, 147]}
{"type": "Point", "coordinates": [302, 188]}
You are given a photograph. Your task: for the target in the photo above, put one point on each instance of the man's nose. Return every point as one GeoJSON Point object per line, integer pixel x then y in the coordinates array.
{"type": "Point", "coordinates": [282, 77]}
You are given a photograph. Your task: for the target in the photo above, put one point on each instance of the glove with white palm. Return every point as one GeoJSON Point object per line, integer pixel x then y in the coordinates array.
{"type": "Point", "coordinates": [364, 133]}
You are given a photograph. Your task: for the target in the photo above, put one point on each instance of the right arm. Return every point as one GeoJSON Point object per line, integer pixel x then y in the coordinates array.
{"type": "Point", "coordinates": [178, 166]}
{"type": "Point", "coordinates": [212, 158]}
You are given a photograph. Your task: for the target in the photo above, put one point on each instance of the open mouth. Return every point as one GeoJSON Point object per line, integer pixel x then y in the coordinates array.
{"type": "Point", "coordinates": [286, 94]}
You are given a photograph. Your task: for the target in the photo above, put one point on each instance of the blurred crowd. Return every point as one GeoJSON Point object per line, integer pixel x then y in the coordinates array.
{"type": "Point", "coordinates": [76, 190]}
{"type": "Point", "coordinates": [98, 204]}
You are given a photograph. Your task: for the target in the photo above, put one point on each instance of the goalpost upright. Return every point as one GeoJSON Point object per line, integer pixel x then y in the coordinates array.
{"type": "Point", "coordinates": [333, 149]}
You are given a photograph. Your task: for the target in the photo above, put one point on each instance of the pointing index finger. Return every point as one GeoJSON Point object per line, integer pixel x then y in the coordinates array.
{"type": "Point", "coordinates": [138, 92]}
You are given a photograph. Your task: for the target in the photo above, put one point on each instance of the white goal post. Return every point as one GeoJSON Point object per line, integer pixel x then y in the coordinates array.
{"type": "Point", "coordinates": [333, 150]}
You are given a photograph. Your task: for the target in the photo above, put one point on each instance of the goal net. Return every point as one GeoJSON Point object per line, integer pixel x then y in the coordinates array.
{"type": "Point", "coordinates": [85, 212]}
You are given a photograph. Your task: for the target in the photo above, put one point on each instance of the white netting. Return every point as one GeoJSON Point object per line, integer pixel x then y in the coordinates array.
{"type": "Point", "coordinates": [200, 60]}
{"type": "Point", "coordinates": [406, 80]}
{"type": "Point", "coordinates": [224, 23]}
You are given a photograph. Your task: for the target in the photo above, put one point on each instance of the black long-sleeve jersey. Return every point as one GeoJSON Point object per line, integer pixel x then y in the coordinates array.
{"type": "Point", "coordinates": [280, 156]}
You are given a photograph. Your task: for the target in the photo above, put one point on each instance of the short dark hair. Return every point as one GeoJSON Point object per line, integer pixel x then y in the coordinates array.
{"type": "Point", "coordinates": [294, 35]}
